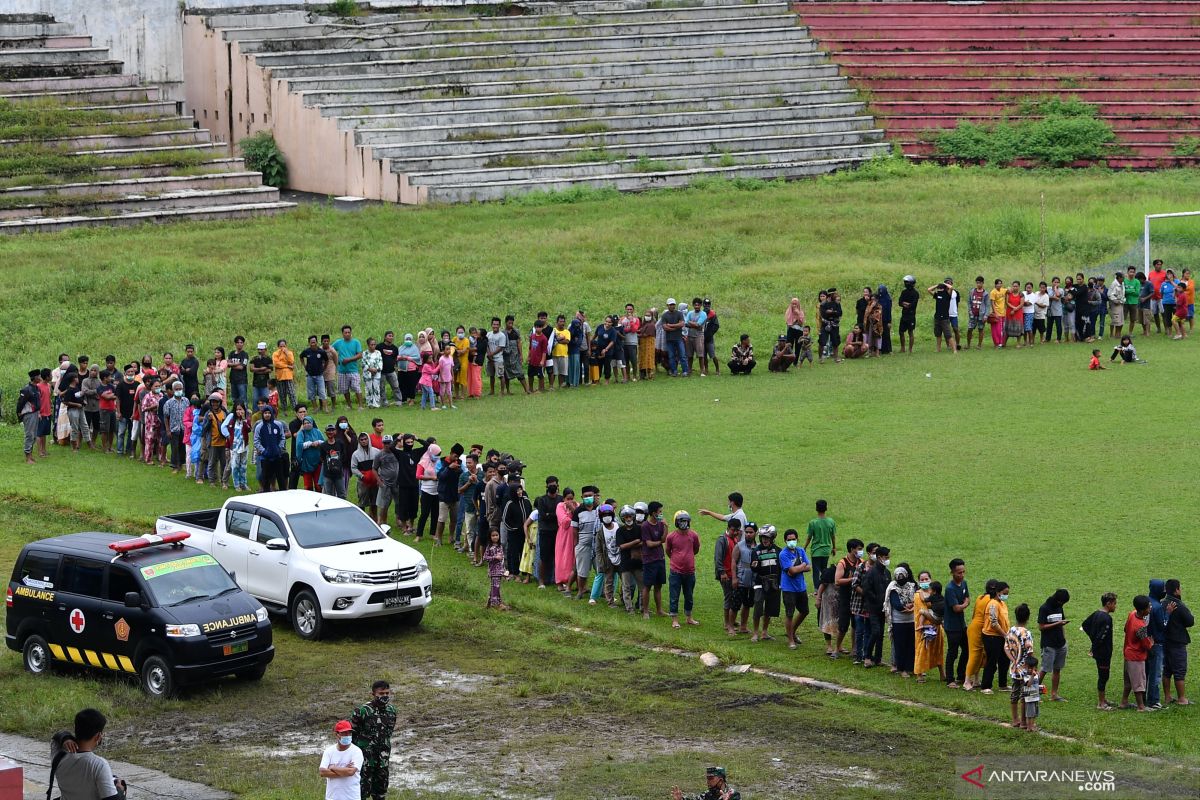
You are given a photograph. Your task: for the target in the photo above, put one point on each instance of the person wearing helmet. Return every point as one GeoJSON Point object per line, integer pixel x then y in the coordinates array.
{"type": "Point", "coordinates": [629, 545]}
{"type": "Point", "coordinates": [681, 547]}
{"type": "Point", "coordinates": [908, 300]}
{"type": "Point", "coordinates": [765, 564]}
{"type": "Point", "coordinates": [654, 567]}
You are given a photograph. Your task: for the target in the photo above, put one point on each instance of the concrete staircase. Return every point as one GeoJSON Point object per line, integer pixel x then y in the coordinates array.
{"type": "Point", "coordinates": [928, 65]}
{"type": "Point", "coordinates": [468, 108]}
{"type": "Point", "coordinates": [82, 144]}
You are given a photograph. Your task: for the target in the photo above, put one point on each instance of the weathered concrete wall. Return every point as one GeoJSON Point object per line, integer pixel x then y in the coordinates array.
{"type": "Point", "coordinates": [146, 34]}
{"type": "Point", "coordinates": [233, 97]}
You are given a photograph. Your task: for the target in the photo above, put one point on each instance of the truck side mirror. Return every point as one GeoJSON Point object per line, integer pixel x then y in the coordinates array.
{"type": "Point", "coordinates": [276, 544]}
{"type": "Point", "coordinates": [133, 600]}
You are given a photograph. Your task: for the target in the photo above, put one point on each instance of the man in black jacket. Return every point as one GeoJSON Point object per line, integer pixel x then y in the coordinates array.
{"type": "Point", "coordinates": [29, 401]}
{"type": "Point", "coordinates": [1179, 619]}
{"type": "Point", "coordinates": [406, 483]}
{"type": "Point", "coordinates": [874, 585]}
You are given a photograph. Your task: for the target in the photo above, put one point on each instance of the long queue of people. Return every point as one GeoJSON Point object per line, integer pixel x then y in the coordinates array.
{"type": "Point", "coordinates": [1017, 315]}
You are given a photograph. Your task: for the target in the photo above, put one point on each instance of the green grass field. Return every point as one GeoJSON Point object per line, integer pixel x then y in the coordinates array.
{"type": "Point", "coordinates": [1024, 463]}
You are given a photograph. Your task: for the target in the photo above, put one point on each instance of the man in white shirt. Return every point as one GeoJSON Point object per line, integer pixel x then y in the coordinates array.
{"type": "Point", "coordinates": [954, 301]}
{"type": "Point", "coordinates": [340, 765]}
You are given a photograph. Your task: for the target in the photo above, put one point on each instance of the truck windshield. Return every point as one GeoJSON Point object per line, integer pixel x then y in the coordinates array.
{"type": "Point", "coordinates": [328, 527]}
{"type": "Point", "coordinates": [173, 583]}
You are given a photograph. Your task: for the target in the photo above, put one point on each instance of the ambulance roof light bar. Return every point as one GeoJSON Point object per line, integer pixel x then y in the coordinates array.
{"type": "Point", "coordinates": [149, 540]}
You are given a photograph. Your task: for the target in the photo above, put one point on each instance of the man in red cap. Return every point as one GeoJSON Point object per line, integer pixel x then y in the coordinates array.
{"type": "Point", "coordinates": [340, 765]}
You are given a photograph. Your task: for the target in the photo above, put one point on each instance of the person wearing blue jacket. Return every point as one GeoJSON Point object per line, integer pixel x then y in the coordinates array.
{"type": "Point", "coordinates": [1158, 629]}
{"type": "Point", "coordinates": [270, 451]}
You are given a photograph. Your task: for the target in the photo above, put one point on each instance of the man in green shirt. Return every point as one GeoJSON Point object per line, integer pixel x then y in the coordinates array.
{"type": "Point", "coordinates": [820, 543]}
{"type": "Point", "coordinates": [349, 353]}
{"type": "Point", "coordinates": [1133, 288]}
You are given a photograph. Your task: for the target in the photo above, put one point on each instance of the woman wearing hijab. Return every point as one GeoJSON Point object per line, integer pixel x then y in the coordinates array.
{"type": "Point", "coordinates": [929, 641]}
{"type": "Point", "coordinates": [794, 319]}
{"type": "Point", "coordinates": [427, 482]}
{"type": "Point", "coordinates": [898, 605]}
{"type": "Point", "coordinates": [647, 334]}
{"type": "Point", "coordinates": [462, 354]}
{"type": "Point", "coordinates": [885, 304]}
{"type": "Point", "coordinates": [517, 509]}
{"type": "Point", "coordinates": [308, 453]}
{"type": "Point", "coordinates": [564, 542]}
{"type": "Point", "coordinates": [475, 362]}
{"type": "Point", "coordinates": [860, 308]}
{"type": "Point", "coordinates": [408, 365]}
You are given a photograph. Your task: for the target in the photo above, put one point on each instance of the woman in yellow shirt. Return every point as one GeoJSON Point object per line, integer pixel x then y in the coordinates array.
{"type": "Point", "coordinates": [998, 296]}
{"type": "Point", "coordinates": [930, 642]}
{"type": "Point", "coordinates": [975, 654]}
{"type": "Point", "coordinates": [995, 628]}
{"type": "Point", "coordinates": [462, 352]}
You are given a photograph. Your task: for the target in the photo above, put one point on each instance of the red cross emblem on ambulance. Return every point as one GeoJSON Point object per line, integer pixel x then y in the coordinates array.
{"type": "Point", "coordinates": [77, 620]}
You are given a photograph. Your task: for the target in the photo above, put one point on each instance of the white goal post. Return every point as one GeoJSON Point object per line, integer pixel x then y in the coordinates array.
{"type": "Point", "coordinates": [1146, 232]}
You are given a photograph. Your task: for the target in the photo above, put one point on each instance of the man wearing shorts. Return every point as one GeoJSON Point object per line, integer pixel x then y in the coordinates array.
{"type": "Point", "coordinates": [538, 345]}
{"type": "Point", "coordinates": [843, 579]}
{"type": "Point", "coordinates": [977, 305]}
{"type": "Point", "coordinates": [1138, 642]}
{"type": "Point", "coordinates": [586, 522]}
{"type": "Point", "coordinates": [725, 564]}
{"type": "Point", "coordinates": [560, 349]}
{"type": "Point", "coordinates": [1179, 619]}
{"type": "Point", "coordinates": [765, 564]}
{"type": "Point", "coordinates": [1051, 622]}
{"type": "Point", "coordinates": [743, 559]}
{"type": "Point", "coordinates": [693, 328]}
{"type": "Point", "coordinates": [315, 359]}
{"type": "Point", "coordinates": [349, 379]}
{"type": "Point", "coordinates": [909, 298]}
{"type": "Point", "coordinates": [793, 563]}
{"type": "Point", "coordinates": [654, 565]}
{"type": "Point", "coordinates": [942, 329]}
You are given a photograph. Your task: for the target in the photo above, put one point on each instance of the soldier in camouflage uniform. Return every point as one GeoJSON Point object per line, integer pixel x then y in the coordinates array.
{"type": "Point", "coordinates": [718, 789]}
{"type": "Point", "coordinates": [373, 724]}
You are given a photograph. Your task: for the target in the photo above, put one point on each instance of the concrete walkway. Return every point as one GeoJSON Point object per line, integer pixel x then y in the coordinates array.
{"type": "Point", "coordinates": [143, 783]}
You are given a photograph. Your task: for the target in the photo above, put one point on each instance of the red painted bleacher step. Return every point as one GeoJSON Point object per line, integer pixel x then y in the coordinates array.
{"type": "Point", "coordinates": [926, 66]}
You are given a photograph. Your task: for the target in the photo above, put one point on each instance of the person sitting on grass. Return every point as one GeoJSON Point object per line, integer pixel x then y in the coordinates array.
{"type": "Point", "coordinates": [1125, 351]}
{"type": "Point", "coordinates": [742, 362]}
{"type": "Point", "coordinates": [782, 356]}
{"type": "Point", "coordinates": [1099, 630]}
{"type": "Point", "coordinates": [856, 344]}
{"type": "Point", "coordinates": [1095, 362]}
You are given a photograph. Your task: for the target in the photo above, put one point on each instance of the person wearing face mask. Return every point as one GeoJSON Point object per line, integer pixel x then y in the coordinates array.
{"type": "Point", "coordinates": [586, 523]}
{"type": "Point", "coordinates": [898, 605]}
{"type": "Point", "coordinates": [843, 578]}
{"type": "Point", "coordinates": [654, 570]}
{"type": "Point", "coordinates": [629, 546]}
{"type": "Point", "coordinates": [874, 585]}
{"type": "Point", "coordinates": [341, 764]}
{"type": "Point", "coordinates": [995, 629]}
{"type": "Point", "coordinates": [976, 657]}
{"type": "Point", "coordinates": [608, 557]}
{"type": "Point", "coordinates": [793, 564]}
{"type": "Point", "coordinates": [373, 724]}
{"type": "Point", "coordinates": [546, 508]}
{"type": "Point", "coordinates": [929, 608]}
{"type": "Point", "coordinates": [517, 509]}
{"type": "Point", "coordinates": [767, 573]}
{"type": "Point", "coordinates": [308, 453]}
{"type": "Point", "coordinates": [81, 773]}
{"type": "Point", "coordinates": [173, 413]}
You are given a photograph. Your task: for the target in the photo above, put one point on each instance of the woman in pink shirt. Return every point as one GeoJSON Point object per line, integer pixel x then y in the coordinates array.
{"type": "Point", "coordinates": [564, 543]}
{"type": "Point", "coordinates": [446, 376]}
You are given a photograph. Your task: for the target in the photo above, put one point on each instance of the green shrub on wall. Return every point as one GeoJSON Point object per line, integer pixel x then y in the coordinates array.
{"type": "Point", "coordinates": [1068, 131]}
{"type": "Point", "coordinates": [263, 155]}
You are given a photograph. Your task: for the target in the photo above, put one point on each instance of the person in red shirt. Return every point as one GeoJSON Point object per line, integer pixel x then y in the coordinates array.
{"type": "Point", "coordinates": [539, 345]}
{"type": "Point", "coordinates": [681, 547]}
{"type": "Point", "coordinates": [1156, 277]}
{"type": "Point", "coordinates": [45, 413]}
{"type": "Point", "coordinates": [1095, 362]}
{"type": "Point", "coordinates": [1138, 642]}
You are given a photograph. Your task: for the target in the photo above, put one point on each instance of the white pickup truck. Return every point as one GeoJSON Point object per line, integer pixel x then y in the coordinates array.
{"type": "Point", "coordinates": [315, 557]}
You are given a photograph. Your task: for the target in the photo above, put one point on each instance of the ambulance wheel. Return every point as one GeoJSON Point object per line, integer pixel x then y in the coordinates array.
{"type": "Point", "coordinates": [156, 677]}
{"type": "Point", "coordinates": [36, 655]}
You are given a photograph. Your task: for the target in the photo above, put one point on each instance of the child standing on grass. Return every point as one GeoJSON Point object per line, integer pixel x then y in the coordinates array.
{"type": "Point", "coordinates": [446, 376]}
{"type": "Point", "coordinates": [1099, 630]}
{"type": "Point", "coordinates": [493, 556]}
{"type": "Point", "coordinates": [1018, 646]}
{"type": "Point", "coordinates": [1031, 694]}
{"type": "Point", "coordinates": [804, 347]}
{"type": "Point", "coordinates": [429, 371]}
{"type": "Point", "coordinates": [1095, 362]}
